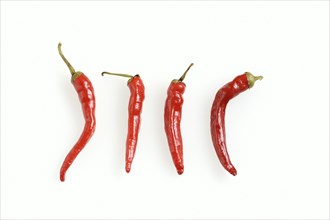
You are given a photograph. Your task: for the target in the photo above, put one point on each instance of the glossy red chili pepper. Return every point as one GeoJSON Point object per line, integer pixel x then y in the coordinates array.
{"type": "Point", "coordinates": [218, 132]}
{"type": "Point", "coordinates": [135, 84]}
{"type": "Point", "coordinates": [172, 120]}
{"type": "Point", "coordinates": [85, 91]}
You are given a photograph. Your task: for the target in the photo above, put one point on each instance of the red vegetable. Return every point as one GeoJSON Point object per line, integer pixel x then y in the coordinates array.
{"type": "Point", "coordinates": [135, 84]}
{"type": "Point", "coordinates": [172, 119]}
{"type": "Point", "coordinates": [85, 91]}
{"type": "Point", "coordinates": [218, 132]}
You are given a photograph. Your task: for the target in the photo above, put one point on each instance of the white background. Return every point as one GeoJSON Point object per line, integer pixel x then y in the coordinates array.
{"type": "Point", "coordinates": [277, 132]}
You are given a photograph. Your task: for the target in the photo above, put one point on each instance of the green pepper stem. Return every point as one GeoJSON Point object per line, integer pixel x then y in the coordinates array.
{"type": "Point", "coordinates": [185, 73]}
{"type": "Point", "coordinates": [72, 70]}
{"type": "Point", "coordinates": [252, 79]}
{"type": "Point", "coordinates": [117, 74]}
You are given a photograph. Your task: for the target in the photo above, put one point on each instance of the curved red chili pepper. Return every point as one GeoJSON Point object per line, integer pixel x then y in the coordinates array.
{"type": "Point", "coordinates": [135, 84]}
{"type": "Point", "coordinates": [172, 120]}
{"type": "Point", "coordinates": [85, 91]}
{"type": "Point", "coordinates": [218, 132]}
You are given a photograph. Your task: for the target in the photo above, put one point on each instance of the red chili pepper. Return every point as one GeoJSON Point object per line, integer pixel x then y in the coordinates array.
{"type": "Point", "coordinates": [172, 119]}
{"type": "Point", "coordinates": [85, 91]}
{"type": "Point", "coordinates": [218, 132]}
{"type": "Point", "coordinates": [135, 84]}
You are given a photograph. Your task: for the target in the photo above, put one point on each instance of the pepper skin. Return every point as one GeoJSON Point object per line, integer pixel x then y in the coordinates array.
{"type": "Point", "coordinates": [135, 84]}
{"type": "Point", "coordinates": [218, 131]}
{"type": "Point", "coordinates": [134, 118]}
{"type": "Point", "coordinates": [85, 91]}
{"type": "Point", "coordinates": [172, 120]}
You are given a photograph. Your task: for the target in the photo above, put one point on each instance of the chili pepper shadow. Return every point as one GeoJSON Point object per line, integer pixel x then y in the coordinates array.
{"type": "Point", "coordinates": [116, 112]}
{"type": "Point", "coordinates": [71, 121]}
{"type": "Point", "coordinates": [164, 155]}
{"type": "Point", "coordinates": [73, 110]}
{"type": "Point", "coordinates": [216, 167]}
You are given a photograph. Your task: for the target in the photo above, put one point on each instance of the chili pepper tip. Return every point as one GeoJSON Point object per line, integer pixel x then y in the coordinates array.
{"type": "Point", "coordinates": [232, 171]}
{"type": "Point", "coordinates": [180, 171]}
{"type": "Point", "coordinates": [128, 167]}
